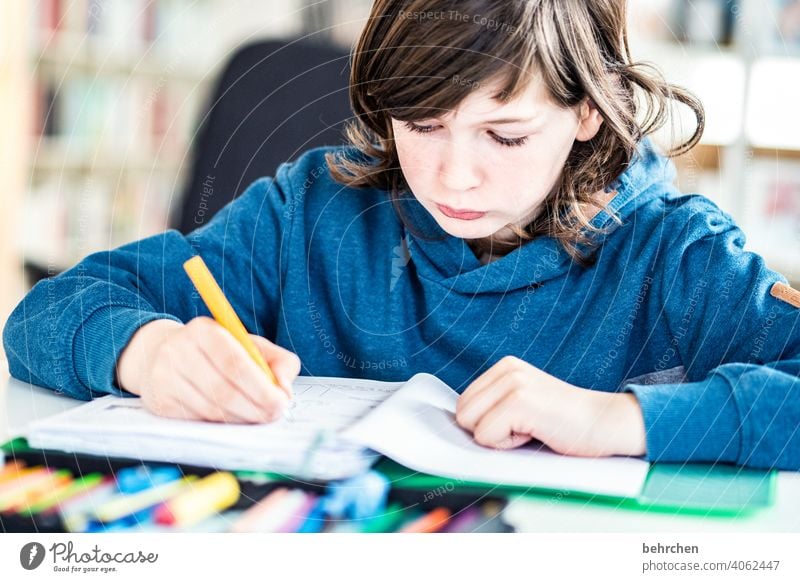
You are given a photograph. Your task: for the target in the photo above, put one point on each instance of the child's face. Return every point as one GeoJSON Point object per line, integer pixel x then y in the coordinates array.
{"type": "Point", "coordinates": [476, 175]}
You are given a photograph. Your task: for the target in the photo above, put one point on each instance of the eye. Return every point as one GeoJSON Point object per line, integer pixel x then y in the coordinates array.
{"type": "Point", "coordinates": [503, 141]}
{"type": "Point", "coordinates": [509, 141]}
{"type": "Point", "coordinates": [411, 126]}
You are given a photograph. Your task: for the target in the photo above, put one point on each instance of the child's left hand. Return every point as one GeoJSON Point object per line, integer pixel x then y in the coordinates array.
{"type": "Point", "coordinates": [514, 402]}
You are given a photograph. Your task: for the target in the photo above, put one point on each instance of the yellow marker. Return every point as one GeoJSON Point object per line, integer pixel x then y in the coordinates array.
{"type": "Point", "coordinates": [124, 504]}
{"type": "Point", "coordinates": [208, 496]}
{"type": "Point", "coordinates": [223, 312]}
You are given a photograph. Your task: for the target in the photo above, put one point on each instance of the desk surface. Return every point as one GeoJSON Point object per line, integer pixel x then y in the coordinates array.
{"type": "Point", "coordinates": [21, 403]}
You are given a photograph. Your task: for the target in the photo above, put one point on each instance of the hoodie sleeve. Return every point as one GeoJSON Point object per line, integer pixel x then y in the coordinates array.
{"type": "Point", "coordinates": [739, 344]}
{"type": "Point", "coordinates": [69, 330]}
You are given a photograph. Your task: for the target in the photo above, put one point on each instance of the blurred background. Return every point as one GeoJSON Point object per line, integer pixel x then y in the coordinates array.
{"type": "Point", "coordinates": [120, 118]}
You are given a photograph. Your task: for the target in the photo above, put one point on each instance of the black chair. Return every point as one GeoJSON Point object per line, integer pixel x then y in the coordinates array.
{"type": "Point", "coordinates": [273, 101]}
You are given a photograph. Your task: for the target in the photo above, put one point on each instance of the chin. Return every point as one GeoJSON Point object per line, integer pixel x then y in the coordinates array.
{"type": "Point", "coordinates": [473, 229]}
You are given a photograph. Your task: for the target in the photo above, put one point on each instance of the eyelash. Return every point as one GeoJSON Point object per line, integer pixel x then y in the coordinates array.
{"type": "Point", "coordinates": [508, 142]}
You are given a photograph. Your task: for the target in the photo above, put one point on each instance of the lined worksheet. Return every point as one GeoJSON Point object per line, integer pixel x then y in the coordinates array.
{"type": "Point", "coordinates": [306, 443]}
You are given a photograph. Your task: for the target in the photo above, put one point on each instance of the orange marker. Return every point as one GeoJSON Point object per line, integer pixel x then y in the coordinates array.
{"type": "Point", "coordinates": [11, 470]}
{"type": "Point", "coordinates": [32, 487]}
{"type": "Point", "coordinates": [22, 478]}
{"type": "Point", "coordinates": [429, 523]}
{"type": "Point", "coordinates": [209, 495]}
{"type": "Point", "coordinates": [223, 313]}
{"type": "Point", "coordinates": [251, 520]}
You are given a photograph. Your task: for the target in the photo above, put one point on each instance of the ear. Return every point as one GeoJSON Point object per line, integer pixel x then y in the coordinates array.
{"type": "Point", "coordinates": [590, 121]}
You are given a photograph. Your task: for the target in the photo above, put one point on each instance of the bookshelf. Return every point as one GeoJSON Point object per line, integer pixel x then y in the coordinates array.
{"type": "Point", "coordinates": [114, 98]}
{"type": "Point", "coordinates": [116, 90]}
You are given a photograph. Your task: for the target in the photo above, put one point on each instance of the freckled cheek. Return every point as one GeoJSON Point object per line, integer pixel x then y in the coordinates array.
{"type": "Point", "coordinates": [416, 164]}
{"type": "Point", "coordinates": [519, 188]}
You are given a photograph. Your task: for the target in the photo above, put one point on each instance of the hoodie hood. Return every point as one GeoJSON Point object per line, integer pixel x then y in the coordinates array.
{"type": "Point", "coordinates": [448, 260]}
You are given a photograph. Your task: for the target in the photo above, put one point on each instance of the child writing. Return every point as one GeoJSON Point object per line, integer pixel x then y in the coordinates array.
{"type": "Point", "coordinates": [500, 220]}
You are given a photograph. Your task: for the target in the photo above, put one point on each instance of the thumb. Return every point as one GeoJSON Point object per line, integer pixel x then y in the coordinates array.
{"type": "Point", "coordinates": [513, 441]}
{"type": "Point", "coordinates": [283, 363]}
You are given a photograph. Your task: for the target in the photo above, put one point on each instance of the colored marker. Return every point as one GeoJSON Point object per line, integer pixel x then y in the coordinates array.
{"type": "Point", "coordinates": [135, 479]}
{"type": "Point", "coordinates": [208, 496]}
{"type": "Point", "coordinates": [68, 491]}
{"type": "Point", "coordinates": [388, 521]}
{"type": "Point", "coordinates": [77, 510]}
{"type": "Point", "coordinates": [464, 521]}
{"type": "Point", "coordinates": [299, 515]}
{"type": "Point", "coordinates": [22, 478]}
{"type": "Point", "coordinates": [261, 511]}
{"type": "Point", "coordinates": [11, 470]}
{"type": "Point", "coordinates": [26, 489]}
{"type": "Point", "coordinates": [431, 522]}
{"type": "Point", "coordinates": [35, 493]}
{"type": "Point", "coordinates": [492, 519]}
{"type": "Point", "coordinates": [360, 497]}
{"type": "Point", "coordinates": [224, 314]}
{"type": "Point", "coordinates": [315, 520]}
{"type": "Point", "coordinates": [123, 505]}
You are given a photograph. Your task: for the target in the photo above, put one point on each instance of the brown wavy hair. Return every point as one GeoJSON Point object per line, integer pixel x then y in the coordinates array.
{"type": "Point", "coordinates": [412, 53]}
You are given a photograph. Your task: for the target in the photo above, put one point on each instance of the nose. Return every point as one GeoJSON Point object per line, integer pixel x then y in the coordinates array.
{"type": "Point", "coordinates": [458, 169]}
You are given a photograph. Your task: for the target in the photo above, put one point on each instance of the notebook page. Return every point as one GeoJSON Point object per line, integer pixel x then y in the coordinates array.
{"type": "Point", "coordinates": [416, 427]}
{"type": "Point", "coordinates": [117, 426]}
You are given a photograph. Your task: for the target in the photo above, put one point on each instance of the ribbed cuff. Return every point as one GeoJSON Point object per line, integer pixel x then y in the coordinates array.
{"type": "Point", "coordinates": [99, 341]}
{"type": "Point", "coordinates": [696, 421]}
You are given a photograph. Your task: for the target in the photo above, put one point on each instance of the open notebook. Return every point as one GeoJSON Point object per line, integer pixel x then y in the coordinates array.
{"type": "Point", "coordinates": [337, 429]}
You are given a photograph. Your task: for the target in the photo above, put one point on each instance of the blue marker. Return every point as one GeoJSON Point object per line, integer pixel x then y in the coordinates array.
{"type": "Point", "coordinates": [359, 497]}
{"type": "Point", "coordinates": [315, 520]}
{"type": "Point", "coordinates": [135, 479]}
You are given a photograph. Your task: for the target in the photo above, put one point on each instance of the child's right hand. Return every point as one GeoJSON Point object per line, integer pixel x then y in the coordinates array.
{"type": "Point", "coordinates": [198, 371]}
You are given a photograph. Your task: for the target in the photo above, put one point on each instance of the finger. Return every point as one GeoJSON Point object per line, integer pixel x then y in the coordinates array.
{"type": "Point", "coordinates": [283, 363]}
{"type": "Point", "coordinates": [470, 413]}
{"type": "Point", "coordinates": [231, 406]}
{"type": "Point", "coordinates": [486, 380]}
{"type": "Point", "coordinates": [170, 395]}
{"type": "Point", "coordinates": [187, 402]}
{"type": "Point", "coordinates": [211, 396]}
{"type": "Point", "coordinates": [517, 440]}
{"type": "Point", "coordinates": [235, 365]}
{"type": "Point", "coordinates": [496, 427]}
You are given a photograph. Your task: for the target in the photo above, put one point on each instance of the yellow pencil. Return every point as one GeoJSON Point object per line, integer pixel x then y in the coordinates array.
{"type": "Point", "coordinates": [223, 312]}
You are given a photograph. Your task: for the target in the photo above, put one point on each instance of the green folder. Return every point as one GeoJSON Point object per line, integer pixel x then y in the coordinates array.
{"type": "Point", "coordinates": [702, 489]}
{"type": "Point", "coordinates": [705, 489]}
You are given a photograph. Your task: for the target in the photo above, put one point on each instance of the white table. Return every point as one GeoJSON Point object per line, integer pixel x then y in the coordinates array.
{"type": "Point", "coordinates": [21, 403]}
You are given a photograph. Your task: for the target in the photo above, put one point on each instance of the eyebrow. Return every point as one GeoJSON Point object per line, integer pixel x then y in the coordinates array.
{"type": "Point", "coordinates": [508, 120]}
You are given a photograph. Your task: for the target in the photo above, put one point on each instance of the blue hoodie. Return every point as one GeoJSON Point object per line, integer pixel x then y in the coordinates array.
{"type": "Point", "coordinates": [673, 309]}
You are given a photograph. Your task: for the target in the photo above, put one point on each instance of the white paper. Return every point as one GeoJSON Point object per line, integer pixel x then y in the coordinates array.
{"type": "Point", "coordinates": [307, 442]}
{"type": "Point", "coordinates": [416, 427]}
{"type": "Point", "coordinates": [413, 423]}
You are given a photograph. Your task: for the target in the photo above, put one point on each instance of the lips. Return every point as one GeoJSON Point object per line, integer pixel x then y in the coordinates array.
{"type": "Point", "coordinates": [460, 214]}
